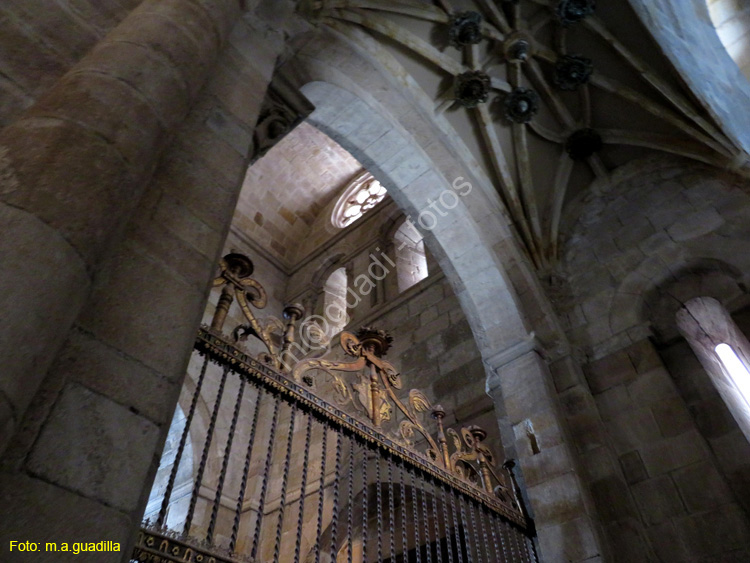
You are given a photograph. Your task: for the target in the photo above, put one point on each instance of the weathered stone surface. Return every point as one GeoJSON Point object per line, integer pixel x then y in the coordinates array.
{"type": "Point", "coordinates": [658, 500]}
{"type": "Point", "coordinates": [36, 505]}
{"type": "Point", "coordinates": [88, 446]}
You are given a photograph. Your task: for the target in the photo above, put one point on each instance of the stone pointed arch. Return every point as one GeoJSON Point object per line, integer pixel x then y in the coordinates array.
{"type": "Point", "coordinates": [685, 33]}
{"type": "Point", "coordinates": [369, 104]}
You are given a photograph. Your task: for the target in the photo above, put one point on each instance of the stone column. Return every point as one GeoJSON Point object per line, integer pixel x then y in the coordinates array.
{"type": "Point", "coordinates": [73, 167]}
{"type": "Point", "coordinates": [533, 433]}
{"type": "Point", "coordinates": [82, 465]}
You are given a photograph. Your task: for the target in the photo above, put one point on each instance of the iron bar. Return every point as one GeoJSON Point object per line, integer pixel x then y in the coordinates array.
{"type": "Point", "coordinates": [402, 504]}
{"type": "Point", "coordinates": [495, 546]}
{"type": "Point", "coordinates": [464, 526]}
{"type": "Point", "coordinates": [509, 539]}
{"type": "Point", "coordinates": [436, 523]}
{"type": "Point", "coordinates": [379, 501]}
{"type": "Point", "coordinates": [204, 454]}
{"type": "Point", "coordinates": [225, 463]}
{"type": "Point", "coordinates": [303, 488]}
{"type": "Point", "coordinates": [456, 526]}
{"type": "Point", "coordinates": [503, 543]}
{"type": "Point", "coordinates": [181, 447]}
{"type": "Point", "coordinates": [335, 515]}
{"type": "Point", "coordinates": [267, 376]}
{"type": "Point", "coordinates": [414, 503]}
{"type": "Point", "coordinates": [264, 484]}
{"type": "Point", "coordinates": [522, 547]}
{"type": "Point", "coordinates": [245, 472]}
{"type": "Point", "coordinates": [321, 487]}
{"type": "Point", "coordinates": [532, 547]}
{"type": "Point", "coordinates": [391, 510]}
{"type": "Point", "coordinates": [350, 499]}
{"type": "Point", "coordinates": [284, 482]}
{"type": "Point", "coordinates": [483, 528]}
{"type": "Point", "coordinates": [365, 499]}
{"type": "Point", "coordinates": [446, 522]}
{"type": "Point", "coordinates": [426, 519]}
{"type": "Point", "coordinates": [475, 532]}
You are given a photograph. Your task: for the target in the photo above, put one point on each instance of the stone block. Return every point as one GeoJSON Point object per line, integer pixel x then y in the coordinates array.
{"type": "Point", "coordinates": [77, 183]}
{"type": "Point", "coordinates": [613, 402]}
{"type": "Point", "coordinates": [658, 499]}
{"type": "Point", "coordinates": [548, 464]}
{"type": "Point", "coordinates": [627, 541]}
{"type": "Point", "coordinates": [576, 400]}
{"type": "Point", "coordinates": [538, 432]}
{"type": "Point", "coordinates": [89, 445]}
{"type": "Point", "coordinates": [698, 224]}
{"type": "Point", "coordinates": [655, 243]}
{"type": "Point", "coordinates": [651, 387]}
{"type": "Point", "coordinates": [435, 327]}
{"type": "Point", "coordinates": [572, 541]}
{"type": "Point", "coordinates": [672, 416]}
{"type": "Point", "coordinates": [130, 288]}
{"type": "Point", "coordinates": [632, 430]}
{"type": "Point", "coordinates": [701, 487]}
{"type": "Point", "coordinates": [609, 371]}
{"type": "Point", "coordinates": [231, 130]}
{"type": "Point", "coordinates": [587, 430]}
{"type": "Point", "coordinates": [708, 534]}
{"type": "Point", "coordinates": [633, 468]}
{"type": "Point", "coordinates": [644, 356]}
{"type": "Point", "coordinates": [452, 382]}
{"type": "Point", "coordinates": [712, 417]}
{"type": "Point", "coordinates": [34, 322]}
{"type": "Point", "coordinates": [38, 505]}
{"type": "Point", "coordinates": [165, 89]}
{"type": "Point", "coordinates": [597, 464]}
{"type": "Point", "coordinates": [672, 453]}
{"type": "Point", "coordinates": [113, 374]}
{"type": "Point", "coordinates": [612, 499]}
{"type": "Point", "coordinates": [524, 395]}
{"type": "Point", "coordinates": [667, 543]}
{"type": "Point", "coordinates": [557, 500]}
{"type": "Point", "coordinates": [565, 374]}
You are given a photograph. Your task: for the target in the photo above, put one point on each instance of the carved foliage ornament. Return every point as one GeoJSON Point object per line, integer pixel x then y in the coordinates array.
{"type": "Point", "coordinates": [472, 88]}
{"type": "Point", "coordinates": [466, 29]}
{"type": "Point", "coordinates": [572, 11]}
{"type": "Point", "coordinates": [572, 71]}
{"type": "Point", "coordinates": [521, 105]}
{"type": "Point", "coordinates": [363, 380]}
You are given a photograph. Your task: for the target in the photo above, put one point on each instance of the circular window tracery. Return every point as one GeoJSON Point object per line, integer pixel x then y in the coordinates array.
{"type": "Point", "coordinates": [362, 194]}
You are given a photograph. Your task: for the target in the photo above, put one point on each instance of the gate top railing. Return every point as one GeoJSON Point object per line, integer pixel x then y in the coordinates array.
{"type": "Point", "coordinates": [363, 382]}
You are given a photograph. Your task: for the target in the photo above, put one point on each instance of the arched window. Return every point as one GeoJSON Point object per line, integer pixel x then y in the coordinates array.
{"type": "Point", "coordinates": [411, 261]}
{"type": "Point", "coordinates": [723, 351]}
{"type": "Point", "coordinates": [735, 369]}
{"type": "Point", "coordinates": [362, 194]}
{"type": "Point", "coordinates": [334, 302]}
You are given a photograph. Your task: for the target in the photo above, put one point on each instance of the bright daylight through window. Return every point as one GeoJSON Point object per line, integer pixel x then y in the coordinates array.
{"type": "Point", "coordinates": [736, 369]}
{"type": "Point", "coordinates": [361, 195]}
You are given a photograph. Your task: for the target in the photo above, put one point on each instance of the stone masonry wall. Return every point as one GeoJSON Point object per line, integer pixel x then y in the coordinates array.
{"type": "Point", "coordinates": [649, 241]}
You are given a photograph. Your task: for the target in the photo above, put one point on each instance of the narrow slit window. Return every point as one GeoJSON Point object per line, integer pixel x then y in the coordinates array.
{"type": "Point", "coordinates": [736, 369]}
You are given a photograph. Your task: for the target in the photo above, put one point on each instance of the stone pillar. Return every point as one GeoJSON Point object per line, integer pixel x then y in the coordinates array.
{"type": "Point", "coordinates": [533, 433]}
{"type": "Point", "coordinates": [74, 166]}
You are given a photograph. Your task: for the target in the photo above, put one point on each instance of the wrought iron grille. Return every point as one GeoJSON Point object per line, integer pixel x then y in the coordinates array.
{"type": "Point", "coordinates": [321, 459]}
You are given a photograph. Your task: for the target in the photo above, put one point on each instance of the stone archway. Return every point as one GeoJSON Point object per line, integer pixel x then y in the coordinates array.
{"type": "Point", "coordinates": [684, 30]}
{"type": "Point", "coordinates": [367, 106]}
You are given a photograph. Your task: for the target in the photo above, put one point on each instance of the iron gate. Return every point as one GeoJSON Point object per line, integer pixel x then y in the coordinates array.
{"type": "Point", "coordinates": [287, 475]}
